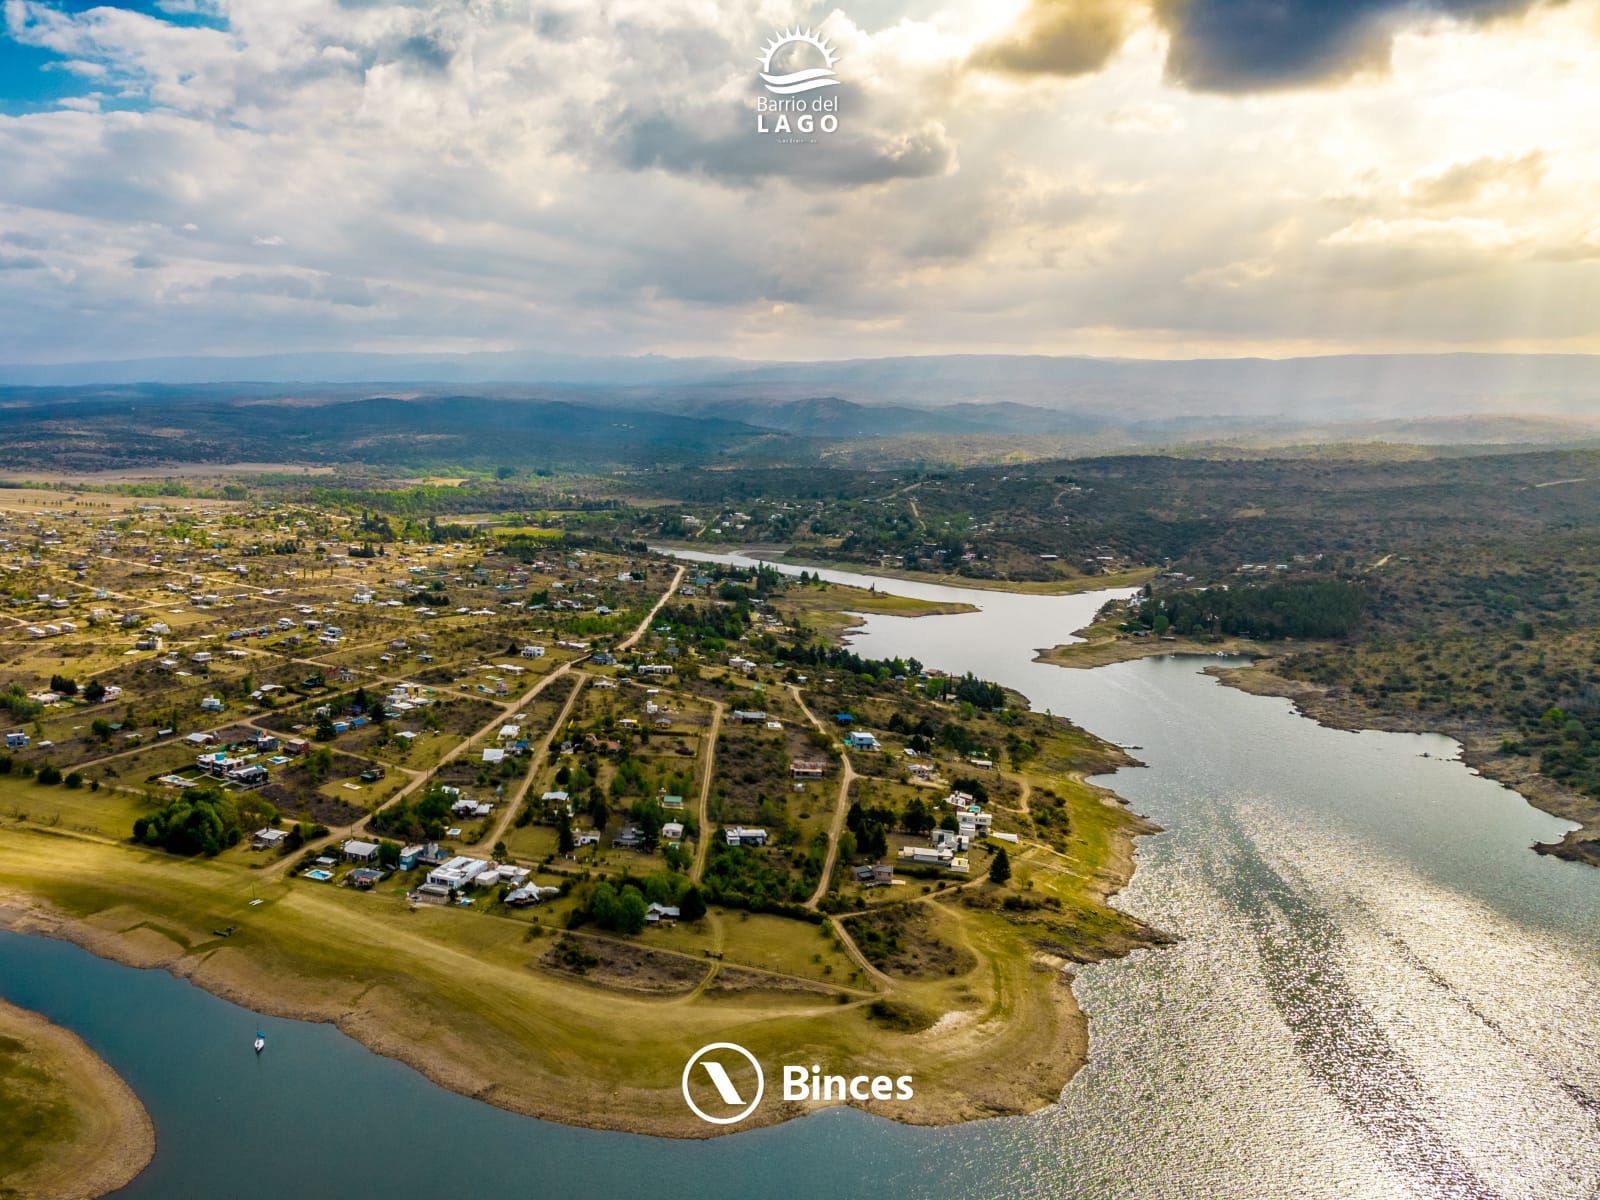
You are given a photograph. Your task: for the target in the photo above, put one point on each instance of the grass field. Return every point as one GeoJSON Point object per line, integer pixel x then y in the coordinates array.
{"type": "Point", "coordinates": [458, 993]}
{"type": "Point", "coordinates": [69, 1126]}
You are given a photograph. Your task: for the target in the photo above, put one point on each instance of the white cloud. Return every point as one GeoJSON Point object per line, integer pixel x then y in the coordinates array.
{"type": "Point", "coordinates": [509, 173]}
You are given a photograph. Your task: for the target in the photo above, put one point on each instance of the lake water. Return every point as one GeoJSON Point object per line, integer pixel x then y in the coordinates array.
{"type": "Point", "coordinates": [1378, 992]}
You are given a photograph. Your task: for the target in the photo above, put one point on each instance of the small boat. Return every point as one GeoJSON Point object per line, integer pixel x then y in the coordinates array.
{"type": "Point", "coordinates": [261, 1042]}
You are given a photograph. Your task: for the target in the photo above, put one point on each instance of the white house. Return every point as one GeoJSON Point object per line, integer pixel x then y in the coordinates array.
{"type": "Point", "coordinates": [458, 872]}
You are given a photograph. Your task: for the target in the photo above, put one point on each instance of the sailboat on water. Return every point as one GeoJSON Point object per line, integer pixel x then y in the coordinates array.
{"type": "Point", "coordinates": [261, 1041]}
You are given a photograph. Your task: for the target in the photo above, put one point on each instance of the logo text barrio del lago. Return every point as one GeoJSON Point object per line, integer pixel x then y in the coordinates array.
{"type": "Point", "coordinates": [800, 101]}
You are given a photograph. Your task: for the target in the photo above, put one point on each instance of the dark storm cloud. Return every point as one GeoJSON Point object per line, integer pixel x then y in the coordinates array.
{"type": "Point", "coordinates": [1260, 45]}
{"type": "Point", "coordinates": [1230, 45]}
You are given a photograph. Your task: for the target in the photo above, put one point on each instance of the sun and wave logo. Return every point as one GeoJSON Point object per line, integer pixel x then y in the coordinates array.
{"type": "Point", "coordinates": [806, 79]}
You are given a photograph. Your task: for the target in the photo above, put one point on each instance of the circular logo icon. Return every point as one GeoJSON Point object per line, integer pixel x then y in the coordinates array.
{"type": "Point", "coordinates": [723, 1073]}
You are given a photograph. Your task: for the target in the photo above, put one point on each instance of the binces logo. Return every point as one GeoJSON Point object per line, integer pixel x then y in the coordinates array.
{"type": "Point", "coordinates": [720, 1077]}
{"type": "Point", "coordinates": [723, 1084]}
{"type": "Point", "coordinates": [798, 77]}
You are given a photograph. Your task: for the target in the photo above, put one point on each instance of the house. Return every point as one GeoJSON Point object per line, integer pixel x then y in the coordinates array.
{"type": "Point", "coordinates": [494, 754]}
{"type": "Point", "coordinates": [268, 839]}
{"type": "Point", "coordinates": [530, 894]}
{"type": "Point", "coordinates": [250, 775]}
{"type": "Point", "coordinates": [410, 855]}
{"type": "Point", "coordinates": [808, 770]}
{"type": "Point", "coordinates": [741, 835]}
{"type": "Point", "coordinates": [211, 704]}
{"type": "Point", "coordinates": [657, 913]}
{"type": "Point", "coordinates": [364, 877]}
{"type": "Point", "coordinates": [631, 838]}
{"type": "Point", "coordinates": [458, 872]}
{"type": "Point", "coordinates": [672, 803]}
{"type": "Point", "coordinates": [532, 652]}
{"type": "Point", "coordinates": [931, 856]}
{"type": "Point", "coordinates": [951, 839]}
{"type": "Point", "coordinates": [17, 741]}
{"type": "Point", "coordinates": [672, 831]}
{"type": "Point", "coordinates": [433, 855]}
{"type": "Point", "coordinates": [201, 739]}
{"type": "Point", "coordinates": [749, 716]}
{"type": "Point", "coordinates": [859, 740]}
{"type": "Point", "coordinates": [359, 851]}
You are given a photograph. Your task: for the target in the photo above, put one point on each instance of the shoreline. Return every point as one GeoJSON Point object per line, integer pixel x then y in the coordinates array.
{"type": "Point", "coordinates": [116, 1132]}
{"type": "Point", "coordinates": [1479, 750]}
{"type": "Point", "coordinates": [1034, 1081]}
{"type": "Point", "coordinates": [1027, 587]}
{"type": "Point", "coordinates": [1104, 652]}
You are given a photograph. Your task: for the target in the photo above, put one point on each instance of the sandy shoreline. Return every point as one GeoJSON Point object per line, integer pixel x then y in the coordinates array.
{"type": "Point", "coordinates": [1013, 1085]}
{"type": "Point", "coordinates": [116, 1140]}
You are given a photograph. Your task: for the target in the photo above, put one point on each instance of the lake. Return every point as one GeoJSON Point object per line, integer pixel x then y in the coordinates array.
{"type": "Point", "coordinates": [1378, 991]}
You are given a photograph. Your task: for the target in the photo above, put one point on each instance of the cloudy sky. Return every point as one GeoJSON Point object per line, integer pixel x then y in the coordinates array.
{"type": "Point", "coordinates": [1123, 177]}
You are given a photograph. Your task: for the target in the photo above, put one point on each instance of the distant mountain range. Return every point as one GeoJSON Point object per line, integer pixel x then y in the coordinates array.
{"type": "Point", "coordinates": [655, 411]}
{"type": "Point", "coordinates": [1098, 392]}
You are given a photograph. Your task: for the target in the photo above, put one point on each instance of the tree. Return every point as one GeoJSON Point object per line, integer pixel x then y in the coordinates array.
{"type": "Point", "coordinates": [693, 904]}
{"type": "Point", "coordinates": [388, 854]}
{"type": "Point", "coordinates": [101, 728]}
{"type": "Point", "coordinates": [565, 842]}
{"type": "Point", "coordinates": [631, 911]}
{"type": "Point", "coordinates": [917, 820]}
{"type": "Point", "coordinates": [1000, 868]}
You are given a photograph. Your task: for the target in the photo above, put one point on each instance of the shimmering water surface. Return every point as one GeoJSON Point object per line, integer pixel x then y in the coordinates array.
{"type": "Point", "coordinates": [1378, 992]}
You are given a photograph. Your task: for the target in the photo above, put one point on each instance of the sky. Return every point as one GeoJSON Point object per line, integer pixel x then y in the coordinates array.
{"type": "Point", "coordinates": [1144, 178]}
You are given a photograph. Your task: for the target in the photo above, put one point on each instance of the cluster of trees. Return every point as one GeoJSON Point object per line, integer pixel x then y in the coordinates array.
{"type": "Point", "coordinates": [1321, 608]}
{"type": "Point", "coordinates": [744, 878]}
{"type": "Point", "coordinates": [204, 820]}
{"type": "Point", "coordinates": [1567, 742]}
{"type": "Point", "coordinates": [416, 820]}
{"type": "Point", "coordinates": [710, 626]}
{"type": "Point", "coordinates": [15, 701]}
{"type": "Point", "coordinates": [969, 689]}
{"type": "Point", "coordinates": [870, 827]}
{"type": "Point", "coordinates": [620, 907]}
{"type": "Point", "coordinates": [835, 658]}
